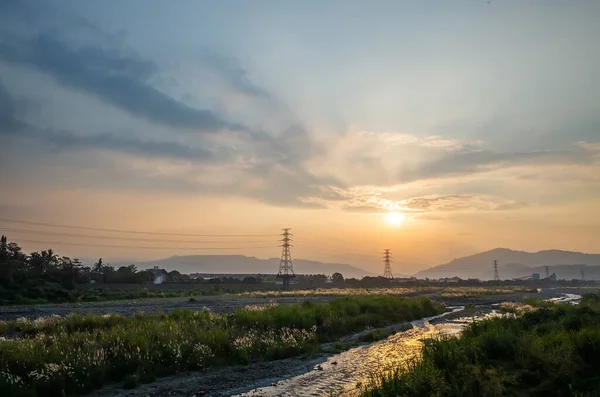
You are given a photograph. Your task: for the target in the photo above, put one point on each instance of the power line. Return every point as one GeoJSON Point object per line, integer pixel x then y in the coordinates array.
{"type": "Point", "coordinates": [47, 233]}
{"type": "Point", "coordinates": [146, 247]}
{"type": "Point", "coordinates": [336, 249]}
{"type": "Point", "coordinates": [130, 231]}
{"type": "Point", "coordinates": [332, 252]}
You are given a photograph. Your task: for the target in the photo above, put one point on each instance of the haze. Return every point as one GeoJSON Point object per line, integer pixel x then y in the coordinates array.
{"type": "Point", "coordinates": [478, 121]}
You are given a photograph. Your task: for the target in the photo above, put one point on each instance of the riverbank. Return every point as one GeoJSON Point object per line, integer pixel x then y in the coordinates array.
{"type": "Point", "coordinates": [75, 355]}
{"type": "Point", "coordinates": [228, 303]}
{"type": "Point", "coordinates": [543, 349]}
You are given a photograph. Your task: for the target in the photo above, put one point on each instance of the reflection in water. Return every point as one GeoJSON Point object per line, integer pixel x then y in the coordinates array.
{"type": "Point", "coordinates": [341, 373]}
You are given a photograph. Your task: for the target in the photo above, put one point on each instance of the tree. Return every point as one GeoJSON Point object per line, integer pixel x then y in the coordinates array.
{"type": "Point", "coordinates": [107, 272]}
{"type": "Point", "coordinates": [69, 268]}
{"type": "Point", "coordinates": [337, 278]}
{"type": "Point", "coordinates": [3, 249]}
{"type": "Point", "coordinates": [145, 277]}
{"type": "Point", "coordinates": [126, 274]}
{"type": "Point", "coordinates": [5, 268]}
{"type": "Point", "coordinates": [251, 280]}
{"type": "Point", "coordinates": [98, 267]}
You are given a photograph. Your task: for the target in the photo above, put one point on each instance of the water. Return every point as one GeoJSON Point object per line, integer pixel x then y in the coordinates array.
{"type": "Point", "coordinates": [572, 299]}
{"type": "Point", "coordinates": [344, 373]}
{"type": "Point", "coordinates": [341, 373]}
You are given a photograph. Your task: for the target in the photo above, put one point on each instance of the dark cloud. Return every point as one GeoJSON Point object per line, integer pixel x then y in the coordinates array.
{"type": "Point", "coordinates": [11, 126]}
{"type": "Point", "coordinates": [468, 162]}
{"type": "Point", "coordinates": [274, 177]}
{"type": "Point", "coordinates": [65, 140]}
{"type": "Point", "coordinates": [8, 112]}
{"type": "Point", "coordinates": [117, 77]}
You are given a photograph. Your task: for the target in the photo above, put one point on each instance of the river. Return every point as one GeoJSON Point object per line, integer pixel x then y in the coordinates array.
{"type": "Point", "coordinates": [327, 375]}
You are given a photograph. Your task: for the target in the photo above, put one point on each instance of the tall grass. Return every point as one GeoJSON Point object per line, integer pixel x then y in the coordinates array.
{"type": "Point", "coordinates": [76, 354]}
{"type": "Point", "coordinates": [552, 351]}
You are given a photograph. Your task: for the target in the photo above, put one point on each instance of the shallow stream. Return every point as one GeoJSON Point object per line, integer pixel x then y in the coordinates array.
{"type": "Point", "coordinates": [343, 373]}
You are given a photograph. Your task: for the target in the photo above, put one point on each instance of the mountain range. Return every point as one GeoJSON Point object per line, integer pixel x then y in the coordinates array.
{"type": "Point", "coordinates": [512, 264]}
{"type": "Point", "coordinates": [223, 264]}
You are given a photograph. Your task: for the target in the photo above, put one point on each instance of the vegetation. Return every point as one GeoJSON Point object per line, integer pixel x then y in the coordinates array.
{"type": "Point", "coordinates": [440, 291]}
{"type": "Point", "coordinates": [43, 277]}
{"type": "Point", "coordinates": [76, 354]}
{"type": "Point", "coordinates": [547, 350]}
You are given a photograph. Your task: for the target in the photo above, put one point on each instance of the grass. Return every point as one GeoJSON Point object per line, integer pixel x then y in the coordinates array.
{"type": "Point", "coordinates": [77, 354]}
{"type": "Point", "coordinates": [552, 350]}
{"type": "Point", "coordinates": [47, 292]}
{"type": "Point", "coordinates": [442, 292]}
{"type": "Point", "coordinates": [54, 293]}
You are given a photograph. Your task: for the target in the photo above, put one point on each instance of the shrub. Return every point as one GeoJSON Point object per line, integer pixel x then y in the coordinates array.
{"type": "Point", "coordinates": [554, 350]}
{"type": "Point", "coordinates": [75, 354]}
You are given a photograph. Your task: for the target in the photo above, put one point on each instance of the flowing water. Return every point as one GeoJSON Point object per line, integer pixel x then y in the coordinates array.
{"type": "Point", "coordinates": [342, 373]}
{"type": "Point", "coordinates": [337, 375]}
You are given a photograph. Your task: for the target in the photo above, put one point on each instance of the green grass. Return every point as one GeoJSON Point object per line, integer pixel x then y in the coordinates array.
{"type": "Point", "coordinates": [77, 354]}
{"type": "Point", "coordinates": [551, 351]}
{"type": "Point", "coordinates": [46, 292]}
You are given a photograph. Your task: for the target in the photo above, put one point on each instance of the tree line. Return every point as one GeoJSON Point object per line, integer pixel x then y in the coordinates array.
{"type": "Point", "coordinates": [17, 267]}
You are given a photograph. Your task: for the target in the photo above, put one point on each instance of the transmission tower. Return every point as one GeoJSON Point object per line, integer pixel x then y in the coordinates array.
{"type": "Point", "coordinates": [286, 268]}
{"type": "Point", "coordinates": [496, 275]}
{"type": "Point", "coordinates": [387, 269]}
{"type": "Point", "coordinates": [547, 272]}
{"type": "Point", "coordinates": [582, 275]}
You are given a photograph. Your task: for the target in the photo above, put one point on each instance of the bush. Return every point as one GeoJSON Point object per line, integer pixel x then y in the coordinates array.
{"type": "Point", "coordinates": [76, 354]}
{"type": "Point", "coordinates": [554, 350]}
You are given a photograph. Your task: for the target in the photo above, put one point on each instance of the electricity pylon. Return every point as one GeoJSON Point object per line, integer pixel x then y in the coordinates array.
{"type": "Point", "coordinates": [496, 275]}
{"type": "Point", "coordinates": [286, 268]}
{"type": "Point", "coordinates": [387, 269]}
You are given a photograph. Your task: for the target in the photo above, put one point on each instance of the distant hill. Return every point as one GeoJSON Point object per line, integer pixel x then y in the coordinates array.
{"type": "Point", "coordinates": [223, 264]}
{"type": "Point", "coordinates": [512, 264]}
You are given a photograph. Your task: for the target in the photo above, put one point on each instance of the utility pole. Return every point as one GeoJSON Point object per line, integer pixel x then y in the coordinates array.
{"type": "Point", "coordinates": [387, 269]}
{"type": "Point", "coordinates": [286, 268]}
{"type": "Point", "coordinates": [496, 275]}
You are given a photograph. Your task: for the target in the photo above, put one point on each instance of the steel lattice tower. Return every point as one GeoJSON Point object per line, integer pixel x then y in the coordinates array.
{"type": "Point", "coordinates": [496, 275]}
{"type": "Point", "coordinates": [286, 267]}
{"type": "Point", "coordinates": [387, 269]}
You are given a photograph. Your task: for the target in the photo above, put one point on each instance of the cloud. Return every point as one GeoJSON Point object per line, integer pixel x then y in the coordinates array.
{"type": "Point", "coordinates": [433, 204]}
{"type": "Point", "coordinates": [8, 111]}
{"type": "Point", "coordinates": [366, 209]}
{"type": "Point", "coordinates": [473, 161]}
{"type": "Point", "coordinates": [116, 76]}
{"type": "Point", "coordinates": [230, 70]}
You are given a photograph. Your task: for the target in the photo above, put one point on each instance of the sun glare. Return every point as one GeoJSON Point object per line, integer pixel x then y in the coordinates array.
{"type": "Point", "coordinates": [394, 218]}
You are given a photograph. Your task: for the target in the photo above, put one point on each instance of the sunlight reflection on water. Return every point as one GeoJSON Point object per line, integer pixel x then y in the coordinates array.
{"type": "Point", "coordinates": [341, 373]}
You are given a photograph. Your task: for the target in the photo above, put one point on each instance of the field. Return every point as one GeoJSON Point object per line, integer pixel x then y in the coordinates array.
{"type": "Point", "coordinates": [543, 349]}
{"type": "Point", "coordinates": [77, 354]}
{"type": "Point", "coordinates": [228, 302]}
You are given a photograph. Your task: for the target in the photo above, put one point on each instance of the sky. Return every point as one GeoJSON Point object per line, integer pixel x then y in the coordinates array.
{"type": "Point", "coordinates": [477, 121]}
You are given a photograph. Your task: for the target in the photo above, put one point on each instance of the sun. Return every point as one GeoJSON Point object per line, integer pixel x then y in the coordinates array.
{"type": "Point", "coordinates": [395, 218]}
